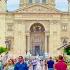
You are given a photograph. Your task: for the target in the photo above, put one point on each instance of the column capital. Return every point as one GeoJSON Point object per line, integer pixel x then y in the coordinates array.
{"type": "Point", "coordinates": [28, 34]}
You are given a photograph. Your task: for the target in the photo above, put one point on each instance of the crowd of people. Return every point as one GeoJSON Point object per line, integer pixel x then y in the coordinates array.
{"type": "Point", "coordinates": [34, 64]}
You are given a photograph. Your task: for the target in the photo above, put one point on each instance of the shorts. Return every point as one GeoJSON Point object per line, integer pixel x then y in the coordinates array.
{"type": "Point", "coordinates": [50, 68]}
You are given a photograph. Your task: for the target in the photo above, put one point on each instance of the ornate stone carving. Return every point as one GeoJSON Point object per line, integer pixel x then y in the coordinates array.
{"type": "Point", "coordinates": [37, 28]}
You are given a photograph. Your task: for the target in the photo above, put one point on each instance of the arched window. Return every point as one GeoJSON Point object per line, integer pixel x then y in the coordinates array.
{"type": "Point", "coordinates": [64, 27]}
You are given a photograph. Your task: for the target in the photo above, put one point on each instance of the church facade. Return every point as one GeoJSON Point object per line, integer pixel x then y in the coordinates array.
{"type": "Point", "coordinates": [37, 27]}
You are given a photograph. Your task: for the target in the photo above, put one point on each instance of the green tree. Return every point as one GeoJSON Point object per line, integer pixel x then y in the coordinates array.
{"type": "Point", "coordinates": [67, 50]}
{"type": "Point", "coordinates": [2, 50]}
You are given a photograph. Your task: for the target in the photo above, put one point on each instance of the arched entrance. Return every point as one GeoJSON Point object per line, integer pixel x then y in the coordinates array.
{"type": "Point", "coordinates": [37, 39]}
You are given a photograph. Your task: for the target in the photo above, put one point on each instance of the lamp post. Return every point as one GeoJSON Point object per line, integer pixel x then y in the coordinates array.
{"type": "Point", "coordinates": [8, 42]}
{"type": "Point", "coordinates": [7, 45]}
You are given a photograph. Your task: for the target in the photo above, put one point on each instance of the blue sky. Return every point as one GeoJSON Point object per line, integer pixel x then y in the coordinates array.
{"type": "Point", "coordinates": [60, 4]}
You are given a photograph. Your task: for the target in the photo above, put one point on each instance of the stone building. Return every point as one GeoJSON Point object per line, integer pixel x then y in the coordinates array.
{"type": "Point", "coordinates": [37, 27]}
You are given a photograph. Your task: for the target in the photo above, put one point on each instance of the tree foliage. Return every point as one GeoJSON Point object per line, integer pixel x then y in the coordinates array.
{"type": "Point", "coordinates": [2, 50]}
{"type": "Point", "coordinates": [67, 50]}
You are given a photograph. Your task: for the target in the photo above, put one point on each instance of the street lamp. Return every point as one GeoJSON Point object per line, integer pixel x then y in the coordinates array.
{"type": "Point", "coordinates": [8, 42]}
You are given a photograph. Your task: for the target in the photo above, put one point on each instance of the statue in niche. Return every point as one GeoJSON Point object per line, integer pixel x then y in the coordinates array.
{"type": "Point", "coordinates": [37, 28]}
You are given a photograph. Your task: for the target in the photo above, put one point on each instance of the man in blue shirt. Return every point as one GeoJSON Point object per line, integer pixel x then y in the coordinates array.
{"type": "Point", "coordinates": [21, 65]}
{"type": "Point", "coordinates": [50, 64]}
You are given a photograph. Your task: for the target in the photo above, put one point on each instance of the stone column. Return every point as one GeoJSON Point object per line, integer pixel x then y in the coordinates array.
{"type": "Point", "coordinates": [46, 42]}
{"type": "Point", "coordinates": [28, 42]}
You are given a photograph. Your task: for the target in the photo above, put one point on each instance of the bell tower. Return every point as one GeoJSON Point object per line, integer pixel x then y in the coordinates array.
{"type": "Point", "coordinates": [3, 5]}
{"type": "Point", "coordinates": [51, 3]}
{"type": "Point", "coordinates": [23, 3]}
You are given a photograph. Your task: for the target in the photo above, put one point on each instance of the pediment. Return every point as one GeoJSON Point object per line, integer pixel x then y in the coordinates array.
{"type": "Point", "coordinates": [38, 9]}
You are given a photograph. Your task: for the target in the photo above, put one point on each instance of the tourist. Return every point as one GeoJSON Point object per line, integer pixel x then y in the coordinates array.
{"type": "Point", "coordinates": [27, 62]}
{"type": "Point", "coordinates": [10, 65]}
{"type": "Point", "coordinates": [45, 64]}
{"type": "Point", "coordinates": [1, 65]}
{"type": "Point", "coordinates": [42, 64]}
{"type": "Point", "coordinates": [34, 63]}
{"type": "Point", "coordinates": [20, 65]}
{"type": "Point", "coordinates": [50, 64]}
{"type": "Point", "coordinates": [38, 66]}
{"type": "Point", "coordinates": [15, 60]}
{"type": "Point", "coordinates": [61, 64]}
{"type": "Point", "coordinates": [30, 64]}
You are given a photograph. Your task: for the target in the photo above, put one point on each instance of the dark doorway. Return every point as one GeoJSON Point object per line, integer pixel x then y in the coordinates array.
{"type": "Point", "coordinates": [37, 50]}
